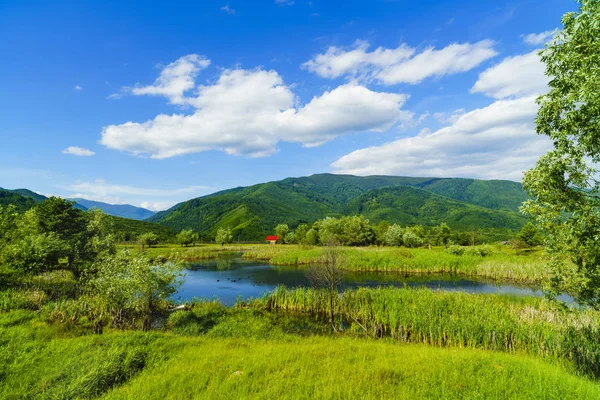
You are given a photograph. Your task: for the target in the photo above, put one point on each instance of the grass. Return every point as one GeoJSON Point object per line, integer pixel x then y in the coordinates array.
{"type": "Point", "coordinates": [237, 353]}
{"type": "Point", "coordinates": [326, 368]}
{"type": "Point", "coordinates": [490, 322]}
{"type": "Point", "coordinates": [501, 265]}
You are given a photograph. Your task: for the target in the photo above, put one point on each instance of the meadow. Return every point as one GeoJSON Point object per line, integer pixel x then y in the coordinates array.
{"type": "Point", "coordinates": [213, 352]}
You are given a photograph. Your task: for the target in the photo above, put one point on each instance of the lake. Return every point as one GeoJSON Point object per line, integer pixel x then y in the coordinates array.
{"type": "Point", "coordinates": [228, 278]}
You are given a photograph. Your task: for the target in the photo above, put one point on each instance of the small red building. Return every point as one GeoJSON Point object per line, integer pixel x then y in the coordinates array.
{"type": "Point", "coordinates": [272, 239]}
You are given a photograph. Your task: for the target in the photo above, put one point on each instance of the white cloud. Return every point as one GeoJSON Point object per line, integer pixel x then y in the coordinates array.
{"type": "Point", "coordinates": [449, 118]}
{"type": "Point", "coordinates": [337, 61]}
{"type": "Point", "coordinates": [228, 9]}
{"type": "Point", "coordinates": [402, 64]}
{"type": "Point", "coordinates": [285, 2]}
{"type": "Point", "coordinates": [249, 111]}
{"type": "Point", "coordinates": [78, 88]}
{"type": "Point", "coordinates": [495, 142]}
{"type": "Point", "coordinates": [78, 151]}
{"type": "Point", "coordinates": [101, 190]}
{"type": "Point", "coordinates": [175, 79]}
{"type": "Point", "coordinates": [517, 76]}
{"type": "Point", "coordinates": [536, 39]}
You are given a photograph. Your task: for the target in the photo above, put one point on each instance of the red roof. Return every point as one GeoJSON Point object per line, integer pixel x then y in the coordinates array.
{"type": "Point", "coordinates": [272, 237]}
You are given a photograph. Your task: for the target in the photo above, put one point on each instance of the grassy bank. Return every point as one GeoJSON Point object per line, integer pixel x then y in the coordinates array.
{"type": "Point", "coordinates": [249, 354]}
{"type": "Point", "coordinates": [501, 264]}
{"type": "Point", "coordinates": [491, 322]}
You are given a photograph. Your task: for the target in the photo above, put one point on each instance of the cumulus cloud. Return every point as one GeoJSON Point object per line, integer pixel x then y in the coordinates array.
{"type": "Point", "coordinates": [249, 111]}
{"type": "Point", "coordinates": [517, 76]}
{"type": "Point", "coordinates": [402, 64]}
{"type": "Point", "coordinates": [78, 88]}
{"type": "Point", "coordinates": [101, 190]}
{"type": "Point", "coordinates": [495, 142]}
{"type": "Point", "coordinates": [536, 39]}
{"type": "Point", "coordinates": [78, 151]}
{"type": "Point", "coordinates": [175, 79]}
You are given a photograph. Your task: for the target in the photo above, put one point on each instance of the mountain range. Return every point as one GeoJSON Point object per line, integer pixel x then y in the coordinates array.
{"type": "Point", "coordinates": [117, 210]}
{"type": "Point", "coordinates": [253, 211]}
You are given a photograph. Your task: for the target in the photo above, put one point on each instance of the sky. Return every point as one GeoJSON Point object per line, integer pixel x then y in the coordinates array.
{"type": "Point", "coordinates": [154, 103]}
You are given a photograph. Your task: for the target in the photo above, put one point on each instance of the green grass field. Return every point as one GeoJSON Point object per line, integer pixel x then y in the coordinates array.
{"type": "Point", "coordinates": [503, 264]}
{"type": "Point", "coordinates": [247, 354]}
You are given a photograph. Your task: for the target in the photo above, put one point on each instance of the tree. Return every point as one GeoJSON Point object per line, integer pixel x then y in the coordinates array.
{"type": "Point", "coordinates": [312, 237]}
{"type": "Point", "coordinates": [411, 239]}
{"type": "Point", "coordinates": [564, 184]}
{"type": "Point", "coordinates": [300, 233]}
{"type": "Point", "coordinates": [530, 235]}
{"type": "Point", "coordinates": [125, 289]}
{"type": "Point", "coordinates": [187, 237]}
{"type": "Point", "coordinates": [290, 238]}
{"type": "Point", "coordinates": [442, 234]}
{"type": "Point", "coordinates": [281, 230]}
{"type": "Point", "coordinates": [224, 236]}
{"type": "Point", "coordinates": [148, 239]}
{"type": "Point", "coordinates": [355, 230]}
{"type": "Point", "coordinates": [329, 274]}
{"type": "Point", "coordinates": [380, 232]}
{"type": "Point", "coordinates": [329, 229]}
{"type": "Point", "coordinates": [393, 236]}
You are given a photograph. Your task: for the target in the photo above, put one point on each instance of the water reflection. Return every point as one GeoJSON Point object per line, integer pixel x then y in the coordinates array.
{"type": "Point", "coordinates": [228, 278]}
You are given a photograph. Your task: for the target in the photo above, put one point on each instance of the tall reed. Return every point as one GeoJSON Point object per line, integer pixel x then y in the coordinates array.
{"type": "Point", "coordinates": [491, 322]}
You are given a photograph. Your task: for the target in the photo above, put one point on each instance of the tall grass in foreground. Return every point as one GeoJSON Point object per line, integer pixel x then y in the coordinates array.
{"type": "Point", "coordinates": [243, 354]}
{"type": "Point", "coordinates": [490, 322]}
{"type": "Point", "coordinates": [498, 266]}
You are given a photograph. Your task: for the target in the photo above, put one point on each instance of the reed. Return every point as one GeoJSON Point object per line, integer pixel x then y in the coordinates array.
{"type": "Point", "coordinates": [490, 322]}
{"type": "Point", "coordinates": [499, 265]}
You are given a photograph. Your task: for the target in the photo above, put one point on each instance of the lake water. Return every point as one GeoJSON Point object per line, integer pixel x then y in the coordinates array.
{"type": "Point", "coordinates": [227, 279]}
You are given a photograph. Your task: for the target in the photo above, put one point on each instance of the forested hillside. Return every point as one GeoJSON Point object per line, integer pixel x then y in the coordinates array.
{"type": "Point", "coordinates": [126, 229]}
{"type": "Point", "coordinates": [252, 212]}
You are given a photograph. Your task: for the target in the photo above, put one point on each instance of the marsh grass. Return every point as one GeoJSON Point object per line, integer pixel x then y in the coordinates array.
{"type": "Point", "coordinates": [499, 265]}
{"type": "Point", "coordinates": [256, 354]}
{"type": "Point", "coordinates": [490, 322]}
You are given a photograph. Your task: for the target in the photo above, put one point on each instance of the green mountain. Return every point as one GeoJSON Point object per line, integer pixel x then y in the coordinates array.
{"type": "Point", "coordinates": [124, 228]}
{"type": "Point", "coordinates": [22, 203]}
{"type": "Point", "coordinates": [117, 210]}
{"type": "Point", "coordinates": [254, 211]}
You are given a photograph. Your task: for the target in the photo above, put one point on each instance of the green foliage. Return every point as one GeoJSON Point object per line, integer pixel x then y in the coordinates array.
{"type": "Point", "coordinates": [442, 234]}
{"type": "Point", "coordinates": [282, 230]}
{"type": "Point", "coordinates": [128, 230]}
{"type": "Point", "coordinates": [130, 291]}
{"type": "Point", "coordinates": [187, 237]}
{"type": "Point", "coordinates": [394, 235]}
{"type": "Point", "coordinates": [564, 183]}
{"type": "Point", "coordinates": [19, 202]}
{"type": "Point", "coordinates": [148, 239]}
{"type": "Point", "coordinates": [530, 235]}
{"type": "Point", "coordinates": [254, 212]}
{"type": "Point", "coordinates": [224, 236]}
{"type": "Point", "coordinates": [411, 239]}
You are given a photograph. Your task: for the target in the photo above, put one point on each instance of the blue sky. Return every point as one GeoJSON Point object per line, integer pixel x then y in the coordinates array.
{"type": "Point", "coordinates": [155, 103]}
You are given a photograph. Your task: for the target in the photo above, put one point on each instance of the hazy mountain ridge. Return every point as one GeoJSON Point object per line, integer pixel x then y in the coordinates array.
{"type": "Point", "coordinates": [117, 210]}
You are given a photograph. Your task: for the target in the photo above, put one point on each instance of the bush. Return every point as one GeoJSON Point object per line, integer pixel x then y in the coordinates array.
{"type": "Point", "coordinates": [456, 250]}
